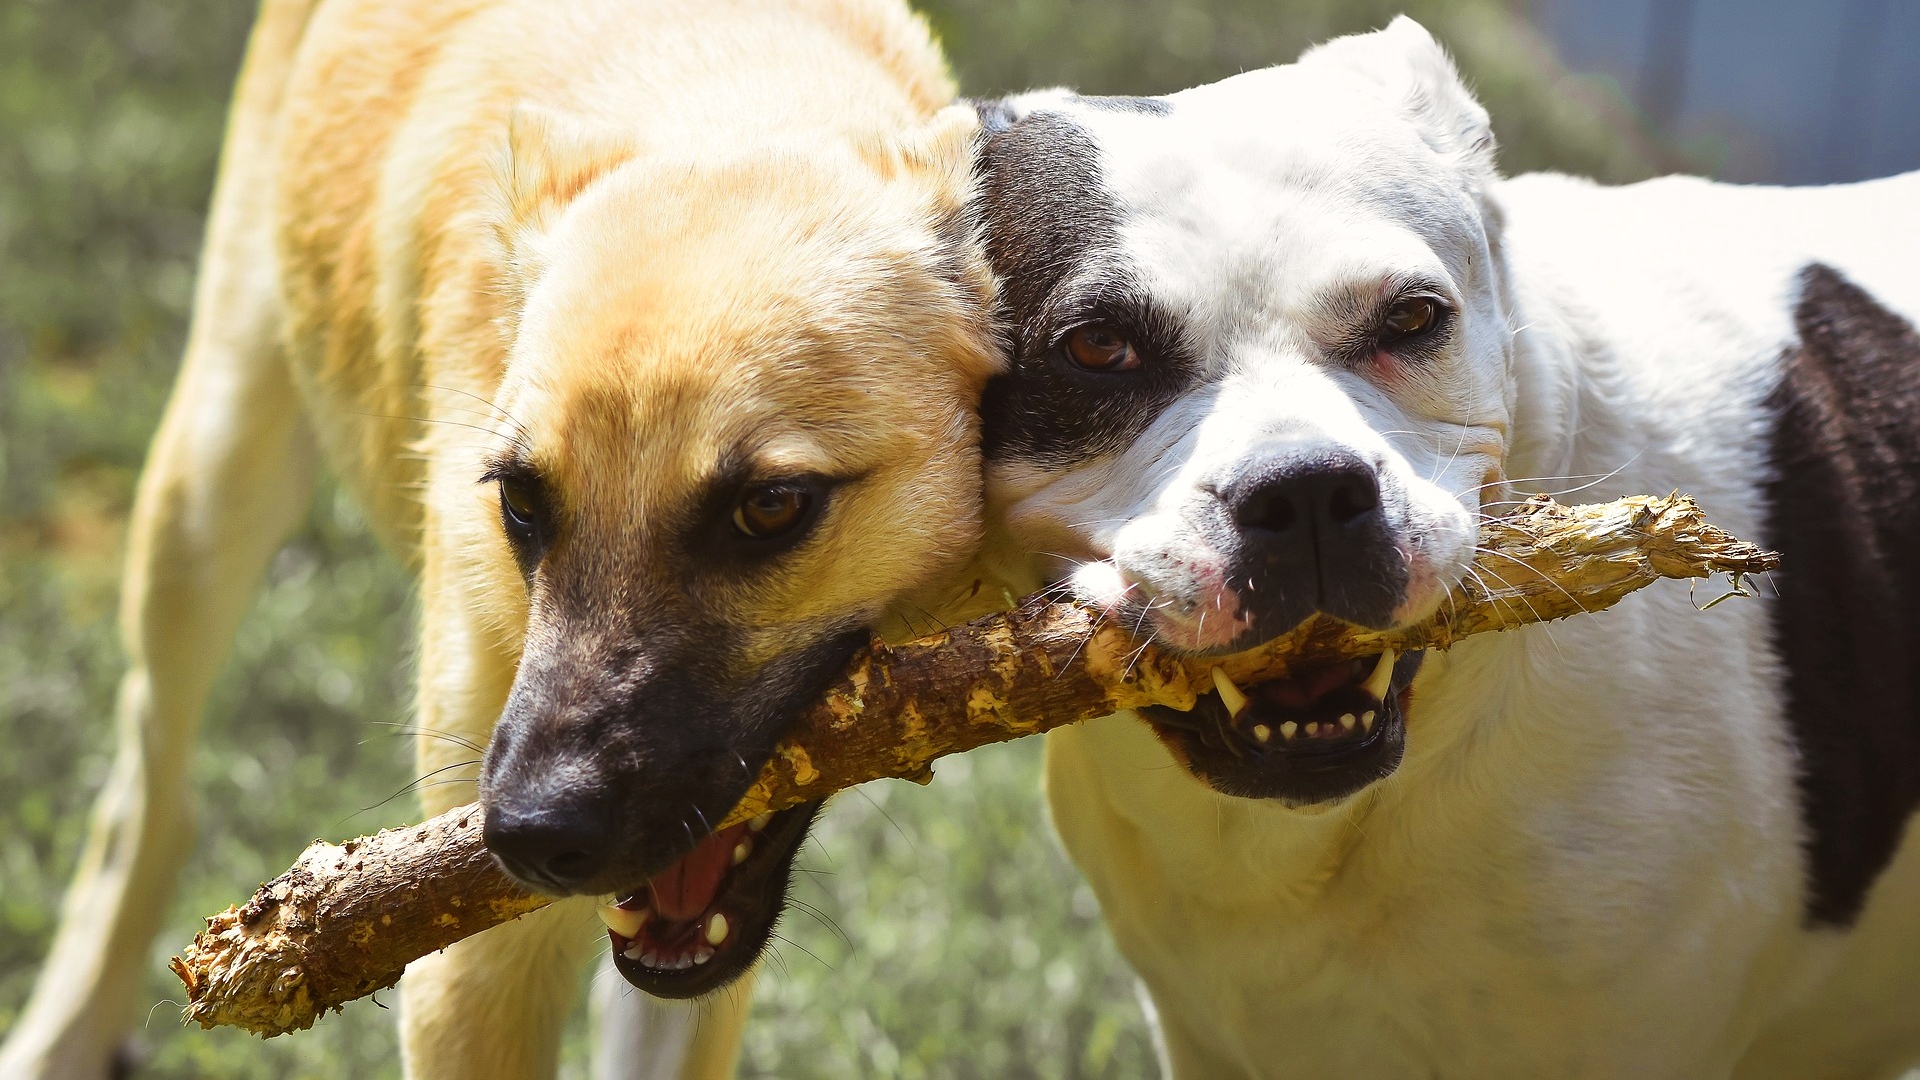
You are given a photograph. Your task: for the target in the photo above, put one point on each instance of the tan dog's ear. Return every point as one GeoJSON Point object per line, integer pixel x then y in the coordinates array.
{"type": "Point", "coordinates": [939, 155]}
{"type": "Point", "coordinates": [1416, 73]}
{"type": "Point", "coordinates": [944, 144]}
{"type": "Point", "coordinates": [548, 159]}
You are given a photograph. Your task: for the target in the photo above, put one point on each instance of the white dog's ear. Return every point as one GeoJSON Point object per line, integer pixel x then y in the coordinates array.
{"type": "Point", "coordinates": [1415, 73]}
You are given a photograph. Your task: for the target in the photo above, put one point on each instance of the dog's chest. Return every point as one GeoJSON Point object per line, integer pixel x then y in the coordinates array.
{"type": "Point", "coordinates": [1514, 915]}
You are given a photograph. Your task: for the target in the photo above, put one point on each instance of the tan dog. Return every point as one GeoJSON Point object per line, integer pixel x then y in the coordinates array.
{"type": "Point", "coordinates": [648, 332]}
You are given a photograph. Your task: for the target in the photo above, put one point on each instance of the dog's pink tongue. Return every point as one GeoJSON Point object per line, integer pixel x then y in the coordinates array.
{"type": "Point", "coordinates": [687, 888]}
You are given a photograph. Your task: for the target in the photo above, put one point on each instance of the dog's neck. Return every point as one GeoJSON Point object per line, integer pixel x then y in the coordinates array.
{"type": "Point", "coordinates": [1576, 431]}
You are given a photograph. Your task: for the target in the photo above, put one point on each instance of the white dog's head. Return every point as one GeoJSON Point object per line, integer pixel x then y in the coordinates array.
{"type": "Point", "coordinates": [1261, 372]}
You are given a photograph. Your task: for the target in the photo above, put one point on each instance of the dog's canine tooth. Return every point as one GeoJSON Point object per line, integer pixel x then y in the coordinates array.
{"type": "Point", "coordinates": [741, 850]}
{"type": "Point", "coordinates": [1382, 677]}
{"type": "Point", "coordinates": [1347, 720]}
{"type": "Point", "coordinates": [1230, 695]}
{"type": "Point", "coordinates": [1366, 720]}
{"type": "Point", "coordinates": [717, 929]}
{"type": "Point", "coordinates": [1262, 732]}
{"type": "Point", "coordinates": [623, 921]}
{"type": "Point", "coordinates": [1287, 729]}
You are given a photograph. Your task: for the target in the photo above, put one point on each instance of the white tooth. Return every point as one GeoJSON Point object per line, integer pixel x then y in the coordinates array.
{"type": "Point", "coordinates": [703, 955]}
{"type": "Point", "coordinates": [1382, 676]}
{"type": "Point", "coordinates": [633, 952]}
{"type": "Point", "coordinates": [1313, 729]}
{"type": "Point", "coordinates": [1230, 695]}
{"type": "Point", "coordinates": [622, 921]}
{"type": "Point", "coordinates": [741, 850]}
{"type": "Point", "coordinates": [1262, 732]}
{"type": "Point", "coordinates": [1366, 719]}
{"type": "Point", "coordinates": [1347, 720]}
{"type": "Point", "coordinates": [760, 822]}
{"type": "Point", "coordinates": [717, 929]}
{"type": "Point", "coordinates": [1287, 729]}
{"type": "Point", "coordinates": [651, 960]}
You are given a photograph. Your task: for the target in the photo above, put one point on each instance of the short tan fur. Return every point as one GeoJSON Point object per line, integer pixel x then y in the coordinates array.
{"type": "Point", "coordinates": [639, 247]}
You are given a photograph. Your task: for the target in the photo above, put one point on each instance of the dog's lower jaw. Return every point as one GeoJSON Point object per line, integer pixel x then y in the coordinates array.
{"type": "Point", "coordinates": [689, 946]}
{"type": "Point", "coordinates": [1306, 744]}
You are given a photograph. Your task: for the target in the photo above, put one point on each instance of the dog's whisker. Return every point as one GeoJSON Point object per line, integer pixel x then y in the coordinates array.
{"type": "Point", "coordinates": [447, 736]}
{"type": "Point", "coordinates": [413, 785]}
{"type": "Point", "coordinates": [823, 918]}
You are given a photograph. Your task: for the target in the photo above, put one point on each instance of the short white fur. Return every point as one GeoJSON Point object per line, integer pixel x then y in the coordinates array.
{"type": "Point", "coordinates": [1589, 863]}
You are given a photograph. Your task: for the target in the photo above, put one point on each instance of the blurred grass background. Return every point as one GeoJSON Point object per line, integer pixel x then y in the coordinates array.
{"type": "Point", "coordinates": [949, 938]}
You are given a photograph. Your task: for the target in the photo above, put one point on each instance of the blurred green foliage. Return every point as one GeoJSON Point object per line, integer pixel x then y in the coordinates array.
{"type": "Point", "coordinates": [950, 937]}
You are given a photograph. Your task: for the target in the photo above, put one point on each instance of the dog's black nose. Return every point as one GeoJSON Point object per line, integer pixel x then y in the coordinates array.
{"type": "Point", "coordinates": [1304, 499]}
{"type": "Point", "coordinates": [1312, 537]}
{"type": "Point", "coordinates": [552, 848]}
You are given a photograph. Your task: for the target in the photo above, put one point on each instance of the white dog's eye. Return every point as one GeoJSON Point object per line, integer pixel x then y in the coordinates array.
{"type": "Point", "coordinates": [1096, 347]}
{"type": "Point", "coordinates": [1409, 318]}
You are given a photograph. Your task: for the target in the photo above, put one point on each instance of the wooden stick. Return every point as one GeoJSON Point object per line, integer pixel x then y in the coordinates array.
{"type": "Point", "coordinates": [347, 919]}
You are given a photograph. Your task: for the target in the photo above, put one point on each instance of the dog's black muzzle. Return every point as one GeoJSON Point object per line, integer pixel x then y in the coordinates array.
{"type": "Point", "coordinates": [1308, 534]}
{"type": "Point", "coordinates": [1317, 737]}
{"type": "Point", "coordinates": [610, 770]}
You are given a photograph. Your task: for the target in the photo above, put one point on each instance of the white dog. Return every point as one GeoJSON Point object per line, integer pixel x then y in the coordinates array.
{"type": "Point", "coordinates": [1281, 341]}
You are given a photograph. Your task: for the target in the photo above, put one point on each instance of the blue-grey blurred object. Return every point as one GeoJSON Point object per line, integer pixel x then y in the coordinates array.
{"type": "Point", "coordinates": [1782, 91]}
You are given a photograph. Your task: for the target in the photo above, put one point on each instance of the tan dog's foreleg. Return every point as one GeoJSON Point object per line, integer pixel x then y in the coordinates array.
{"type": "Point", "coordinates": [229, 476]}
{"type": "Point", "coordinates": [492, 1007]}
{"type": "Point", "coordinates": [643, 1038]}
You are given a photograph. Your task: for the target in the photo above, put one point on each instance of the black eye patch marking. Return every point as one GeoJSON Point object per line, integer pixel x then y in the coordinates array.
{"type": "Point", "coordinates": [1052, 235]}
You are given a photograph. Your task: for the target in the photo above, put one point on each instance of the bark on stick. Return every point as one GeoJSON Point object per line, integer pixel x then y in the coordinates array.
{"type": "Point", "coordinates": [347, 919]}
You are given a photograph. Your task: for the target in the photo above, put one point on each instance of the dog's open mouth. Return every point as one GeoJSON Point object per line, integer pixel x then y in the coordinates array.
{"type": "Point", "coordinates": [1320, 735]}
{"type": "Point", "coordinates": [701, 922]}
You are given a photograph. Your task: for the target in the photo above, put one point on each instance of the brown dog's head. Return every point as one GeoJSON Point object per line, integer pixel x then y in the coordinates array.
{"type": "Point", "coordinates": [743, 396]}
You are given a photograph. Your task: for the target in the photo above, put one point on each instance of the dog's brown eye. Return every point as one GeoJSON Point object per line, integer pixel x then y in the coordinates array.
{"type": "Point", "coordinates": [1409, 318]}
{"type": "Point", "coordinates": [1098, 348]}
{"type": "Point", "coordinates": [772, 510]}
{"type": "Point", "coordinates": [520, 503]}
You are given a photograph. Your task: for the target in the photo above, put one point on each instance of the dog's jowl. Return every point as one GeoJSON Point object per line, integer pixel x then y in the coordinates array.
{"type": "Point", "coordinates": [1279, 342]}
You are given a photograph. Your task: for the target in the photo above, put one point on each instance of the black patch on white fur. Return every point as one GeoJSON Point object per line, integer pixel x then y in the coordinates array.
{"type": "Point", "coordinates": [1844, 506]}
{"type": "Point", "coordinates": [1143, 106]}
{"type": "Point", "coordinates": [1052, 236]}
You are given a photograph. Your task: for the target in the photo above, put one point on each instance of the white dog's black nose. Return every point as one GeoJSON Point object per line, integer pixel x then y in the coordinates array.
{"type": "Point", "coordinates": [1311, 536]}
{"type": "Point", "coordinates": [555, 847]}
{"type": "Point", "coordinates": [1306, 498]}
